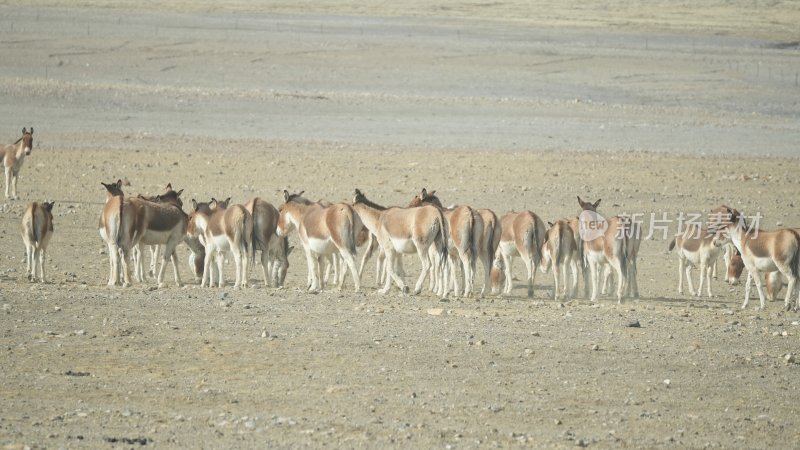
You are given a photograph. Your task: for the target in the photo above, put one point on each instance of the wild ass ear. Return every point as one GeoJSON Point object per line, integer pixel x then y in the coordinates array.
{"type": "Point", "coordinates": [227, 201]}
{"type": "Point", "coordinates": [358, 192]}
{"type": "Point", "coordinates": [168, 187]}
{"type": "Point", "coordinates": [432, 193]}
{"type": "Point", "coordinates": [31, 130]}
{"type": "Point", "coordinates": [550, 223]}
{"type": "Point", "coordinates": [179, 193]}
{"type": "Point", "coordinates": [194, 205]}
{"type": "Point", "coordinates": [119, 183]}
{"type": "Point", "coordinates": [285, 195]}
{"type": "Point", "coordinates": [24, 130]}
{"type": "Point", "coordinates": [597, 202]}
{"type": "Point", "coordinates": [424, 193]}
{"type": "Point", "coordinates": [213, 203]}
{"type": "Point", "coordinates": [300, 194]}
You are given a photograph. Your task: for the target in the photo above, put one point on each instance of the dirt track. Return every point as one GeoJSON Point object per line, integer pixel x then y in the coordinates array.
{"type": "Point", "coordinates": [487, 112]}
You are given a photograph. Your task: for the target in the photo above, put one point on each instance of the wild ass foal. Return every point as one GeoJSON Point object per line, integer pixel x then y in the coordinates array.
{"type": "Point", "coordinates": [465, 229]}
{"type": "Point", "coordinates": [323, 230]}
{"type": "Point", "coordinates": [125, 223]}
{"type": "Point", "coordinates": [222, 229]}
{"type": "Point", "coordinates": [37, 228]}
{"type": "Point", "coordinates": [615, 242]}
{"type": "Point", "coordinates": [405, 230]}
{"type": "Point", "coordinates": [522, 234]}
{"type": "Point", "coordinates": [13, 156]}
{"type": "Point", "coordinates": [695, 249]}
{"type": "Point", "coordinates": [764, 251]}
{"type": "Point", "coordinates": [560, 251]}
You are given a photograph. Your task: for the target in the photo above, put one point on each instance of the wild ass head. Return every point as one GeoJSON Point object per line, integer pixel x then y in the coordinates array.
{"type": "Point", "coordinates": [588, 206]}
{"type": "Point", "coordinates": [425, 197]}
{"type": "Point", "coordinates": [27, 140]}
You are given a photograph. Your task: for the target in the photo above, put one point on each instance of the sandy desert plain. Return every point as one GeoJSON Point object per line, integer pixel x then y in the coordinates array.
{"type": "Point", "coordinates": [658, 108]}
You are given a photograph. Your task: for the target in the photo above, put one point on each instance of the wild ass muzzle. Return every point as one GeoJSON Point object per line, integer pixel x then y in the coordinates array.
{"type": "Point", "coordinates": [560, 252]}
{"type": "Point", "coordinates": [764, 251]}
{"type": "Point", "coordinates": [405, 230]}
{"type": "Point", "coordinates": [222, 229]}
{"type": "Point", "coordinates": [695, 248]}
{"type": "Point", "coordinates": [13, 156]}
{"type": "Point", "coordinates": [522, 234]}
{"type": "Point", "coordinates": [37, 229]}
{"type": "Point", "coordinates": [323, 231]}
{"type": "Point", "coordinates": [465, 229]}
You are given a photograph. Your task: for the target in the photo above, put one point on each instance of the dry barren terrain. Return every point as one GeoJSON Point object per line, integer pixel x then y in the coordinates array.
{"type": "Point", "coordinates": [657, 110]}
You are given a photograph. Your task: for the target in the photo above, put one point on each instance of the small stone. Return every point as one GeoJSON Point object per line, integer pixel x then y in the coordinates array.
{"type": "Point", "coordinates": [264, 333]}
{"type": "Point", "coordinates": [57, 308]}
{"type": "Point", "coordinates": [535, 333]}
{"type": "Point", "coordinates": [81, 332]}
{"type": "Point", "coordinates": [776, 333]}
{"type": "Point", "coordinates": [634, 324]}
{"type": "Point", "coordinates": [595, 347]}
{"type": "Point", "coordinates": [557, 421]}
{"type": "Point", "coordinates": [789, 358]}
{"type": "Point", "coordinates": [436, 311]}
{"type": "Point", "coordinates": [250, 424]}
{"type": "Point", "coordinates": [784, 333]}
{"type": "Point", "coordinates": [528, 351]}
{"type": "Point", "coordinates": [667, 382]}
{"type": "Point", "coordinates": [7, 308]}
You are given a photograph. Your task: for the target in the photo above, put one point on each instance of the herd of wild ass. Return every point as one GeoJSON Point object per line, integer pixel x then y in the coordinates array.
{"type": "Point", "coordinates": [448, 241]}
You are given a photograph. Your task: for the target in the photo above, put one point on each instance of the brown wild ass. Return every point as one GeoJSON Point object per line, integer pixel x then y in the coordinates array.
{"type": "Point", "coordinates": [718, 218]}
{"type": "Point", "coordinates": [37, 228]}
{"type": "Point", "coordinates": [465, 228]}
{"type": "Point", "coordinates": [222, 229]}
{"type": "Point", "coordinates": [274, 249]}
{"type": "Point", "coordinates": [695, 249]}
{"type": "Point", "coordinates": [125, 223]}
{"type": "Point", "coordinates": [323, 230]}
{"type": "Point", "coordinates": [560, 251]}
{"type": "Point", "coordinates": [764, 251]}
{"type": "Point", "coordinates": [13, 156]}
{"type": "Point", "coordinates": [522, 234]}
{"type": "Point", "coordinates": [405, 230]}
{"type": "Point", "coordinates": [773, 280]}
{"type": "Point", "coordinates": [614, 242]}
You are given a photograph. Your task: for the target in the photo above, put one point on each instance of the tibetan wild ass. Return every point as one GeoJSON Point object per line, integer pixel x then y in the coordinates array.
{"type": "Point", "coordinates": [37, 228]}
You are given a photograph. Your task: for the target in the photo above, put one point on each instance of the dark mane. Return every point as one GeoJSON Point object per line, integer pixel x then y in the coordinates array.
{"type": "Point", "coordinates": [297, 198]}
{"type": "Point", "coordinates": [361, 198]}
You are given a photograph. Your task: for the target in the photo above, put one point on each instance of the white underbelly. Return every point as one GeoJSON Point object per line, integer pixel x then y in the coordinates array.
{"type": "Point", "coordinates": [404, 245]}
{"type": "Point", "coordinates": [321, 246]}
{"type": "Point", "coordinates": [509, 248]}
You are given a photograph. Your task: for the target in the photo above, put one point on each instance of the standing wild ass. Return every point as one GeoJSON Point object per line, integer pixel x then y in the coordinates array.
{"type": "Point", "coordinates": [560, 251]}
{"type": "Point", "coordinates": [274, 249]}
{"type": "Point", "coordinates": [37, 228]}
{"type": "Point", "coordinates": [125, 223]}
{"type": "Point", "coordinates": [522, 234]}
{"type": "Point", "coordinates": [764, 251]}
{"type": "Point", "coordinates": [223, 229]}
{"type": "Point", "coordinates": [13, 156]}
{"type": "Point", "coordinates": [405, 230]}
{"type": "Point", "coordinates": [695, 249]}
{"type": "Point", "coordinates": [615, 242]}
{"type": "Point", "coordinates": [465, 229]}
{"type": "Point", "coordinates": [323, 230]}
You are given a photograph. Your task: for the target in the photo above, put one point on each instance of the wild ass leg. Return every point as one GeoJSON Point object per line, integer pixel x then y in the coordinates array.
{"type": "Point", "coordinates": [681, 264]}
{"type": "Point", "coordinates": [14, 178]}
{"type": "Point", "coordinates": [8, 182]}
{"type": "Point", "coordinates": [507, 261]}
{"type": "Point", "coordinates": [41, 258]}
{"type": "Point", "coordinates": [688, 270]}
{"type": "Point", "coordinates": [426, 266]}
{"type": "Point", "coordinates": [595, 276]}
{"type": "Point", "coordinates": [113, 264]}
{"type": "Point", "coordinates": [759, 287]}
